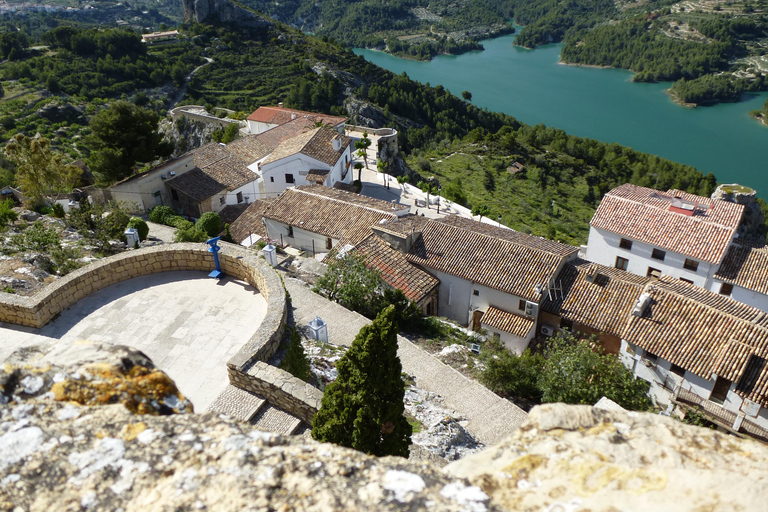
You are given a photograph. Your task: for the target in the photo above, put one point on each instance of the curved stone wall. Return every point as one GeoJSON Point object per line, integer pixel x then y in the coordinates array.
{"type": "Point", "coordinates": [236, 261]}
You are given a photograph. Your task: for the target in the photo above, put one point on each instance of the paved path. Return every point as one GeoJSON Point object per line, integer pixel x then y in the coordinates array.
{"type": "Point", "coordinates": [491, 418]}
{"type": "Point", "coordinates": [188, 324]}
{"type": "Point", "coordinates": [161, 232]}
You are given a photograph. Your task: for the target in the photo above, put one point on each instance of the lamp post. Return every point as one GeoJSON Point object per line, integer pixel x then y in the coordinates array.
{"type": "Point", "coordinates": [438, 199]}
{"type": "Point", "coordinates": [499, 220]}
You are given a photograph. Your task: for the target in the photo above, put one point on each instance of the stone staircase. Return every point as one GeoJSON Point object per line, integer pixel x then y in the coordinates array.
{"type": "Point", "coordinates": [255, 409]}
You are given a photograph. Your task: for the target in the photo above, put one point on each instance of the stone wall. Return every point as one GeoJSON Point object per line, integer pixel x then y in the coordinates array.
{"type": "Point", "coordinates": [280, 388]}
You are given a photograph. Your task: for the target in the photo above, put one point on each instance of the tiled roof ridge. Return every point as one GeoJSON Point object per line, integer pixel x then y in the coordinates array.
{"type": "Point", "coordinates": [655, 207]}
{"type": "Point", "coordinates": [667, 288]}
{"type": "Point", "coordinates": [500, 239]}
{"type": "Point", "coordinates": [303, 191]}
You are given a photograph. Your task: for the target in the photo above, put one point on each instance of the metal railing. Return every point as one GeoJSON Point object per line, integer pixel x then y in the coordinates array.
{"type": "Point", "coordinates": [379, 132]}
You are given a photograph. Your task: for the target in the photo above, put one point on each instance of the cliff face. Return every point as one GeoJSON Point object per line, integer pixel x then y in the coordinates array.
{"type": "Point", "coordinates": [57, 454]}
{"type": "Point", "coordinates": [222, 11]}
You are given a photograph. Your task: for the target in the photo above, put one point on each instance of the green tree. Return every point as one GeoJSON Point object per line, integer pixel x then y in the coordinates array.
{"type": "Point", "coordinates": [362, 146]}
{"type": "Point", "coordinates": [363, 409]}
{"type": "Point", "coordinates": [40, 172]}
{"type": "Point", "coordinates": [402, 180]}
{"type": "Point", "coordinates": [99, 224]}
{"type": "Point", "coordinates": [428, 187]}
{"type": "Point", "coordinates": [482, 210]}
{"type": "Point", "coordinates": [295, 361]}
{"type": "Point", "coordinates": [577, 373]}
{"type": "Point", "coordinates": [352, 284]}
{"type": "Point", "coordinates": [511, 375]}
{"type": "Point", "coordinates": [123, 135]}
{"type": "Point", "coordinates": [466, 95]}
{"type": "Point", "coordinates": [139, 225]}
{"type": "Point", "coordinates": [6, 213]}
{"type": "Point", "coordinates": [489, 182]}
{"type": "Point", "coordinates": [359, 168]}
{"type": "Point", "coordinates": [210, 223]}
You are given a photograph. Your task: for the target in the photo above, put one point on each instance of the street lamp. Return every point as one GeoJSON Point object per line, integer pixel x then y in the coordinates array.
{"type": "Point", "coordinates": [499, 220]}
{"type": "Point", "coordinates": [438, 199]}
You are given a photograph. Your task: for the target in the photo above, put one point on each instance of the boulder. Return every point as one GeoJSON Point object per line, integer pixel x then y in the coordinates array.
{"type": "Point", "coordinates": [223, 11]}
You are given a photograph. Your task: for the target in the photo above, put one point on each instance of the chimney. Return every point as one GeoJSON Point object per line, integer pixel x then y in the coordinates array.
{"type": "Point", "coordinates": [337, 143]}
{"type": "Point", "coordinates": [280, 105]}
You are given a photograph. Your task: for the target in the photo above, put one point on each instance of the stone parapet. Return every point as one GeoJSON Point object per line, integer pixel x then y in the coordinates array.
{"type": "Point", "coordinates": [280, 388]}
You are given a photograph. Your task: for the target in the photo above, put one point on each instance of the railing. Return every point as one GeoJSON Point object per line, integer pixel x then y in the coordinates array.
{"type": "Point", "coordinates": [379, 132]}
{"type": "Point", "coordinates": [720, 415]}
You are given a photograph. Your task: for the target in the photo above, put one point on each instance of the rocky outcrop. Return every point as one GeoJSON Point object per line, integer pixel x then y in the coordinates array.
{"type": "Point", "coordinates": [222, 11]}
{"type": "Point", "coordinates": [578, 458]}
{"type": "Point", "coordinates": [752, 220]}
{"type": "Point", "coordinates": [58, 454]}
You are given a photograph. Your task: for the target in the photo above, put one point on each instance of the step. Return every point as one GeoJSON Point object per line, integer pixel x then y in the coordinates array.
{"type": "Point", "coordinates": [237, 403]}
{"type": "Point", "coordinates": [272, 419]}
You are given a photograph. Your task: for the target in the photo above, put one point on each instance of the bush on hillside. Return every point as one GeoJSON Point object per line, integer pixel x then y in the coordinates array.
{"type": "Point", "coordinates": [140, 226]}
{"type": "Point", "coordinates": [191, 234]}
{"type": "Point", "coordinates": [180, 223]}
{"type": "Point", "coordinates": [209, 222]}
{"type": "Point", "coordinates": [161, 214]}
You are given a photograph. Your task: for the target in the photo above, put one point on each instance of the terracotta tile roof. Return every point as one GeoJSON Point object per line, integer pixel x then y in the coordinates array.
{"type": "Point", "coordinates": [274, 136]}
{"type": "Point", "coordinates": [280, 115]}
{"type": "Point", "coordinates": [316, 143]}
{"type": "Point", "coordinates": [507, 322]}
{"type": "Point", "coordinates": [317, 175]}
{"type": "Point", "coordinates": [221, 164]}
{"type": "Point", "coordinates": [313, 209]}
{"type": "Point", "coordinates": [231, 213]}
{"type": "Point", "coordinates": [352, 197]}
{"type": "Point", "coordinates": [514, 264]}
{"type": "Point", "coordinates": [250, 221]}
{"type": "Point", "coordinates": [746, 267]}
{"type": "Point", "coordinates": [602, 301]}
{"type": "Point", "coordinates": [249, 149]}
{"type": "Point", "coordinates": [645, 214]}
{"type": "Point", "coordinates": [705, 333]}
{"type": "Point", "coordinates": [395, 269]}
{"type": "Point", "coordinates": [196, 184]}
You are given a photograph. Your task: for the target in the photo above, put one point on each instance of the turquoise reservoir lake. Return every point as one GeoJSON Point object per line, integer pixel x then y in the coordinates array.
{"type": "Point", "coordinates": [601, 104]}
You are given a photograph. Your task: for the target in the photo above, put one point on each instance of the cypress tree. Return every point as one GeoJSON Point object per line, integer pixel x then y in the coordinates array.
{"type": "Point", "coordinates": [295, 361]}
{"type": "Point", "coordinates": [363, 408]}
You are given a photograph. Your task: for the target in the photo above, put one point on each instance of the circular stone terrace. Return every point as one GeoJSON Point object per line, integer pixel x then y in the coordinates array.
{"type": "Point", "coordinates": [190, 325]}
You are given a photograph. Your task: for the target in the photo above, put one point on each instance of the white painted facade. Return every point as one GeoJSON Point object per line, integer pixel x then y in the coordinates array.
{"type": "Point", "coordinates": [603, 248]}
{"type": "Point", "coordinates": [147, 191]}
{"type": "Point", "coordinates": [658, 372]}
{"type": "Point", "coordinates": [294, 236]}
{"type": "Point", "coordinates": [291, 171]}
{"type": "Point", "coordinates": [744, 295]}
{"type": "Point", "coordinates": [255, 127]}
{"type": "Point", "coordinates": [458, 298]}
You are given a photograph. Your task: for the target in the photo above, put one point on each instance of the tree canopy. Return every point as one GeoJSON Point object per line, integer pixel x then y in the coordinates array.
{"type": "Point", "coordinates": [363, 409]}
{"type": "Point", "coordinates": [40, 172]}
{"type": "Point", "coordinates": [123, 135]}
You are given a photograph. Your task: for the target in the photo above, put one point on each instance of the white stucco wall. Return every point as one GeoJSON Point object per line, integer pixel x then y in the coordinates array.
{"type": "Point", "coordinates": [274, 173]}
{"type": "Point", "coordinates": [744, 295]}
{"type": "Point", "coordinates": [453, 296]}
{"type": "Point", "coordinates": [259, 127]}
{"type": "Point", "coordinates": [301, 239]}
{"type": "Point", "coordinates": [250, 192]}
{"type": "Point", "coordinates": [138, 193]}
{"type": "Point", "coordinates": [513, 343]}
{"type": "Point", "coordinates": [603, 248]}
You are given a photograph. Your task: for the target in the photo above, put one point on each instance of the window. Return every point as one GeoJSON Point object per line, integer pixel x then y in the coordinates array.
{"type": "Point", "coordinates": [622, 263]}
{"type": "Point", "coordinates": [566, 324]}
{"type": "Point", "coordinates": [653, 272]}
{"type": "Point", "coordinates": [174, 195]}
{"type": "Point", "coordinates": [726, 289]}
{"type": "Point", "coordinates": [476, 293]}
{"type": "Point", "coordinates": [720, 391]}
{"type": "Point", "coordinates": [677, 370]}
{"type": "Point", "coordinates": [686, 280]}
{"type": "Point", "coordinates": [290, 231]}
{"type": "Point", "coordinates": [289, 178]}
{"type": "Point", "coordinates": [271, 179]}
{"type": "Point", "coordinates": [328, 243]}
{"type": "Point", "coordinates": [625, 244]}
{"type": "Point", "coordinates": [521, 305]}
{"type": "Point", "coordinates": [658, 254]}
{"type": "Point", "coordinates": [222, 200]}
{"type": "Point", "coordinates": [691, 265]}
{"type": "Point", "coordinates": [239, 197]}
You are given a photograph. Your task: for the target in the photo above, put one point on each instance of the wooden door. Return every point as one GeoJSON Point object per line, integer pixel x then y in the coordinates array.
{"type": "Point", "coordinates": [476, 316]}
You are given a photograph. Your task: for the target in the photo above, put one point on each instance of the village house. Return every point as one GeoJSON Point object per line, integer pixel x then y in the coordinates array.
{"type": "Point", "coordinates": [266, 118]}
{"type": "Point", "coordinates": [147, 189]}
{"type": "Point", "coordinates": [593, 300]}
{"type": "Point", "coordinates": [743, 276]}
{"type": "Point", "coordinates": [699, 348]}
{"type": "Point", "coordinates": [651, 233]}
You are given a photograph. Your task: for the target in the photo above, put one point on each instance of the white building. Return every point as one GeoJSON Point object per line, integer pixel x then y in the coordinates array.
{"type": "Point", "coordinates": [697, 347]}
{"type": "Point", "coordinates": [743, 276]}
{"type": "Point", "coordinates": [652, 233]}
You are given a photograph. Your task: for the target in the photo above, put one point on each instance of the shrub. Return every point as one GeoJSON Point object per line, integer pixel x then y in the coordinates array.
{"type": "Point", "coordinates": [228, 235]}
{"type": "Point", "coordinates": [191, 234]}
{"type": "Point", "coordinates": [295, 361]}
{"type": "Point", "coordinates": [140, 226]}
{"type": "Point", "coordinates": [6, 213]}
{"type": "Point", "coordinates": [58, 210]}
{"type": "Point", "coordinates": [180, 223]}
{"type": "Point", "coordinates": [160, 214]}
{"type": "Point", "coordinates": [209, 222]}
{"type": "Point", "coordinates": [38, 238]}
